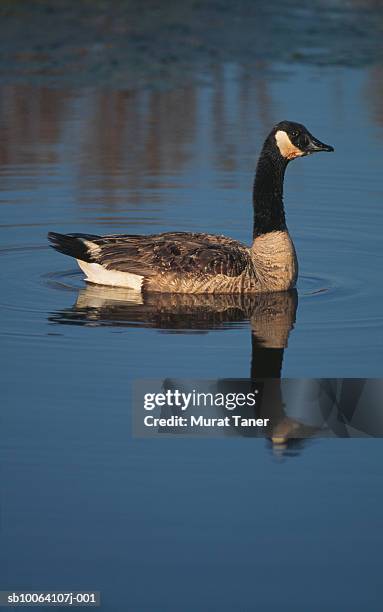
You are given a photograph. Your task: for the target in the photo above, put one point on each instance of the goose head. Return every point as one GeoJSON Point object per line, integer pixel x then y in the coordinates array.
{"type": "Point", "coordinates": [293, 140]}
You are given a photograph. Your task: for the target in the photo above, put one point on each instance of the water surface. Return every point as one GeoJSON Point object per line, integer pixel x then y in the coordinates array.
{"type": "Point", "coordinates": [226, 522]}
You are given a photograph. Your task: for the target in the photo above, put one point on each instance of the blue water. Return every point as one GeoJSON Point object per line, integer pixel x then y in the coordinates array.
{"type": "Point", "coordinates": [185, 524]}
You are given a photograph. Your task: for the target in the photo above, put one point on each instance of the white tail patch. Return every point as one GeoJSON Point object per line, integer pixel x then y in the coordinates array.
{"type": "Point", "coordinates": [95, 273]}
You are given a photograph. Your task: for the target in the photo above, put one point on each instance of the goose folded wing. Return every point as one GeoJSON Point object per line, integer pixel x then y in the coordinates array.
{"type": "Point", "coordinates": [174, 253]}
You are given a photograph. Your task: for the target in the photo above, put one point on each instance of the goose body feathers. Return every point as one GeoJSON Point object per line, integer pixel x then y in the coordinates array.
{"type": "Point", "coordinates": [178, 262]}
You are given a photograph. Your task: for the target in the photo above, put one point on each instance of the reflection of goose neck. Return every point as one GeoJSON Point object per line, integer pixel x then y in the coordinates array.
{"type": "Point", "coordinates": [273, 318]}
{"type": "Point", "coordinates": [271, 323]}
{"type": "Point", "coordinates": [265, 362]}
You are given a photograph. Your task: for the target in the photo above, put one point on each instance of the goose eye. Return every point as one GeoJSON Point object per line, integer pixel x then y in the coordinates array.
{"type": "Point", "coordinates": [294, 134]}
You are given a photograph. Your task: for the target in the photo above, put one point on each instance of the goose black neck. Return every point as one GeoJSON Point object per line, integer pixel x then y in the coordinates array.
{"type": "Point", "coordinates": [269, 213]}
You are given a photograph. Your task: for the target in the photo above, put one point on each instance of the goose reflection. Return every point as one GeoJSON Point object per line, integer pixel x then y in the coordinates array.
{"type": "Point", "coordinates": [296, 409]}
{"type": "Point", "coordinates": [271, 316]}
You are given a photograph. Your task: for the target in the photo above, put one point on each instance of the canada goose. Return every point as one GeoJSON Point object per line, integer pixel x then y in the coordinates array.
{"type": "Point", "coordinates": [182, 262]}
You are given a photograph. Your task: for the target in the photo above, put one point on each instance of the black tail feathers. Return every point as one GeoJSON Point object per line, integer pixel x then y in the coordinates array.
{"type": "Point", "coordinates": [73, 245]}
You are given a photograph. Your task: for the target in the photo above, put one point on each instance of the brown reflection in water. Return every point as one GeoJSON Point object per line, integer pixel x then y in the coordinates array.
{"type": "Point", "coordinates": [374, 88]}
{"type": "Point", "coordinates": [119, 140]}
{"type": "Point", "coordinates": [130, 136]}
{"type": "Point", "coordinates": [31, 120]}
{"type": "Point", "coordinates": [135, 131]}
{"type": "Point", "coordinates": [374, 91]}
{"type": "Point", "coordinates": [238, 98]}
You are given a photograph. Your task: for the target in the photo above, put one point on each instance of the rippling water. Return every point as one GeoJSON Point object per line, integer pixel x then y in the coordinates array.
{"type": "Point", "coordinates": [182, 159]}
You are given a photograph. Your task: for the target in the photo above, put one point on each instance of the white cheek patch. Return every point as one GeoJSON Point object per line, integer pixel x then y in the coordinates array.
{"type": "Point", "coordinates": [286, 147]}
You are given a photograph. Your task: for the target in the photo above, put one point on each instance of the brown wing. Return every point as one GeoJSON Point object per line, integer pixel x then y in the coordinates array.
{"type": "Point", "coordinates": [178, 252]}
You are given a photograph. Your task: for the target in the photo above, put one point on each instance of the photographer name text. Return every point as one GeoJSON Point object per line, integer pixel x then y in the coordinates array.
{"type": "Point", "coordinates": [201, 421]}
